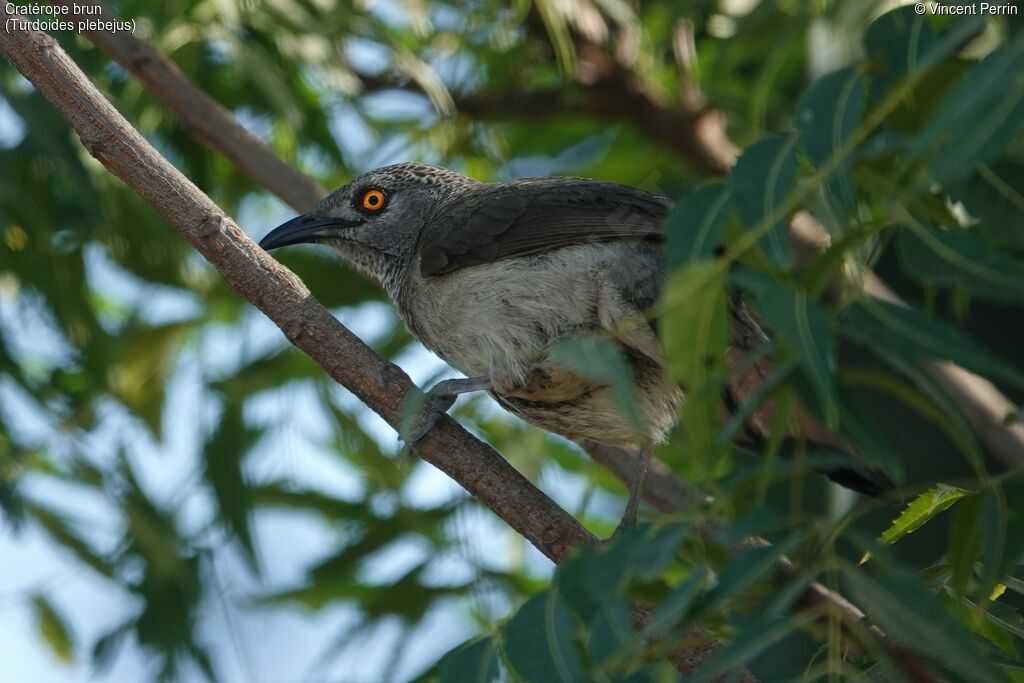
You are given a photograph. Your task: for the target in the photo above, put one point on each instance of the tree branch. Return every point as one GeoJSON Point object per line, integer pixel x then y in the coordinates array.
{"type": "Point", "coordinates": [276, 291]}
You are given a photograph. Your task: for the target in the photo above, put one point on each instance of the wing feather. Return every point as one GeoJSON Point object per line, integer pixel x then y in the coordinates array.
{"type": "Point", "coordinates": [528, 217]}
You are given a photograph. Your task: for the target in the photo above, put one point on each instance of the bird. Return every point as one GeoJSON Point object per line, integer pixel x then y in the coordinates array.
{"type": "Point", "coordinates": [491, 277]}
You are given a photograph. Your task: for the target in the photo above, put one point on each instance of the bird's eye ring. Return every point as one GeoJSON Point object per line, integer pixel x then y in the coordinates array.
{"type": "Point", "coordinates": [373, 200]}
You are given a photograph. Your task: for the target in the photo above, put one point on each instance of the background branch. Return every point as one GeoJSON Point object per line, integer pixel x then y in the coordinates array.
{"type": "Point", "coordinates": [202, 117]}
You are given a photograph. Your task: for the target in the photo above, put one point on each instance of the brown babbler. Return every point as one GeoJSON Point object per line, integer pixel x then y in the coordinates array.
{"type": "Point", "coordinates": [489, 276]}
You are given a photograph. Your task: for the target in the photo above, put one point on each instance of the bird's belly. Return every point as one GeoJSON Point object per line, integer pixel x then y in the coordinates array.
{"type": "Point", "coordinates": [501, 320]}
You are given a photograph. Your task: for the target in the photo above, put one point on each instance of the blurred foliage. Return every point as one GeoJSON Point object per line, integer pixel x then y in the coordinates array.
{"type": "Point", "coordinates": [901, 133]}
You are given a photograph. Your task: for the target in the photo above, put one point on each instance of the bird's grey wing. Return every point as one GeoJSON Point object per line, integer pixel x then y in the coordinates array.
{"type": "Point", "coordinates": [531, 216]}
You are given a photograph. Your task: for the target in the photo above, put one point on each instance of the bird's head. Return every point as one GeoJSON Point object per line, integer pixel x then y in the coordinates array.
{"type": "Point", "coordinates": [375, 220]}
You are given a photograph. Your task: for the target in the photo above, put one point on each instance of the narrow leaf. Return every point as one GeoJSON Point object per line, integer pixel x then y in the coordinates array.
{"type": "Point", "coordinates": [538, 642]}
{"type": "Point", "coordinates": [761, 181]}
{"type": "Point", "coordinates": [675, 606]}
{"type": "Point", "coordinates": [601, 359]}
{"type": "Point", "coordinates": [828, 113]}
{"type": "Point", "coordinates": [473, 662]}
{"type": "Point", "coordinates": [978, 117]}
{"type": "Point", "coordinates": [958, 259]}
{"type": "Point", "coordinates": [694, 331]}
{"type": "Point", "coordinates": [747, 569]}
{"type": "Point", "coordinates": [1002, 517]}
{"type": "Point", "coordinates": [802, 327]}
{"type": "Point", "coordinates": [909, 613]}
{"type": "Point", "coordinates": [695, 223]}
{"type": "Point", "coordinates": [53, 629]}
{"type": "Point", "coordinates": [756, 636]}
{"type": "Point", "coordinates": [995, 194]}
{"type": "Point", "coordinates": [611, 631]}
{"type": "Point", "coordinates": [889, 329]}
{"type": "Point", "coordinates": [223, 455]}
{"type": "Point", "coordinates": [964, 542]}
{"type": "Point", "coordinates": [921, 510]}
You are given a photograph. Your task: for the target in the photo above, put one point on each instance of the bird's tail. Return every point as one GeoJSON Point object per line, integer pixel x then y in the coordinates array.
{"type": "Point", "coordinates": [807, 433]}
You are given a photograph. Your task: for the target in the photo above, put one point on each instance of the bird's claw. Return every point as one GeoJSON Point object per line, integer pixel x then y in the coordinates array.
{"type": "Point", "coordinates": [434, 406]}
{"type": "Point", "coordinates": [436, 403]}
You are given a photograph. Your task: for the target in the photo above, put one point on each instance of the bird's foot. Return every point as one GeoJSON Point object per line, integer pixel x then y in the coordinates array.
{"type": "Point", "coordinates": [628, 520]}
{"type": "Point", "coordinates": [436, 402]}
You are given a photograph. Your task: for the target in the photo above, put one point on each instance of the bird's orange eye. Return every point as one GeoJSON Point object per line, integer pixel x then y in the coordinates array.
{"type": "Point", "coordinates": [373, 200]}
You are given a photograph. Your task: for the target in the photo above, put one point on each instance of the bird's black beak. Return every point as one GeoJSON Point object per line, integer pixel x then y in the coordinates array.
{"type": "Point", "coordinates": [304, 228]}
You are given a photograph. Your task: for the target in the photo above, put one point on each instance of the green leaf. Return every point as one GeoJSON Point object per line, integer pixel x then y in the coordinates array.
{"type": "Point", "coordinates": [995, 194]}
{"type": "Point", "coordinates": [694, 321]}
{"type": "Point", "coordinates": [600, 359]}
{"type": "Point", "coordinates": [1006, 618]}
{"type": "Point", "coordinates": [694, 225]}
{"type": "Point", "coordinates": [591, 576]}
{"type": "Point", "coordinates": [538, 642]}
{"type": "Point", "coordinates": [675, 606]}
{"type": "Point", "coordinates": [108, 645]}
{"type": "Point", "coordinates": [761, 180]}
{"type": "Point", "coordinates": [958, 259]}
{"type": "Point", "coordinates": [899, 40]}
{"type": "Point", "coordinates": [53, 629]}
{"type": "Point", "coordinates": [910, 333]}
{"type": "Point", "coordinates": [828, 113]}
{"type": "Point", "coordinates": [964, 542]}
{"type": "Point", "coordinates": [860, 427]}
{"type": "Point", "coordinates": [223, 454]}
{"type": "Point", "coordinates": [657, 550]}
{"type": "Point", "coordinates": [57, 527]}
{"type": "Point", "coordinates": [694, 331]}
{"type": "Point", "coordinates": [921, 510]}
{"type": "Point", "coordinates": [937, 406]}
{"type": "Point", "coordinates": [1002, 518]}
{"type": "Point", "coordinates": [747, 569]}
{"type": "Point", "coordinates": [756, 636]}
{"type": "Point", "coordinates": [611, 631]}
{"type": "Point", "coordinates": [979, 116]}
{"type": "Point", "coordinates": [904, 42]}
{"type": "Point", "coordinates": [909, 613]}
{"type": "Point", "coordinates": [472, 662]}
{"type": "Point", "coordinates": [802, 327]}
{"type": "Point", "coordinates": [144, 362]}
